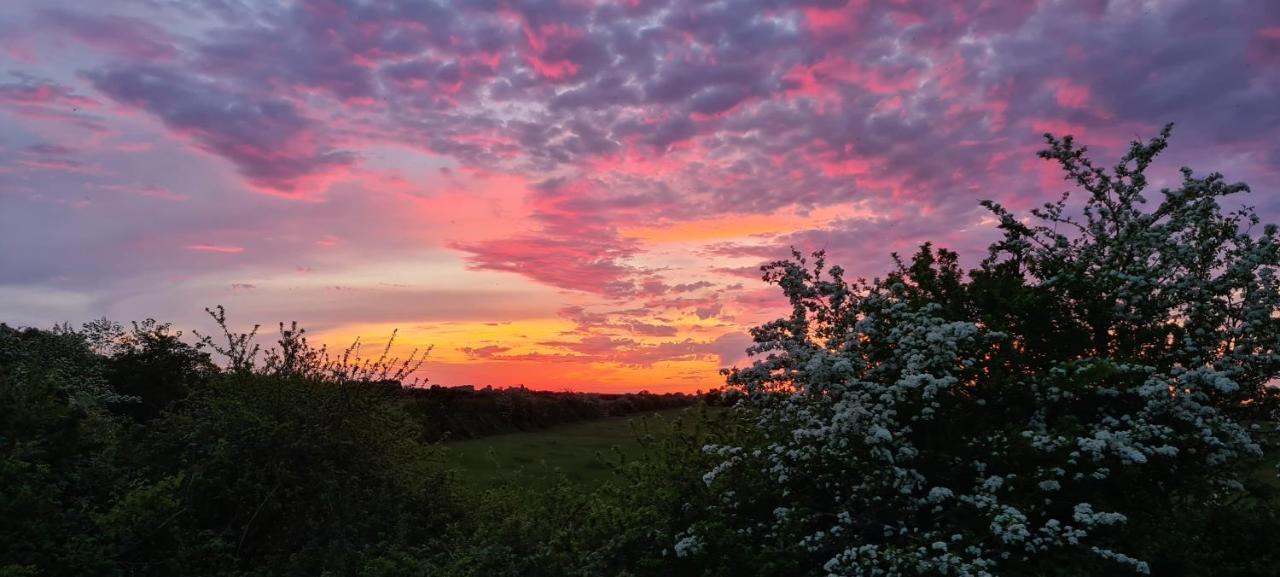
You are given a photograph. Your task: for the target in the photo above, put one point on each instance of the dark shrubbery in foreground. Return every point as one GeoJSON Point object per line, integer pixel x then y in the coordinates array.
{"type": "Point", "coordinates": [1093, 400]}
{"type": "Point", "coordinates": [199, 471]}
{"type": "Point", "coordinates": [133, 453]}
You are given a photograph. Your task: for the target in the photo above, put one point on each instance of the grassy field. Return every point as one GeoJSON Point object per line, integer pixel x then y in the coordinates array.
{"type": "Point", "coordinates": [579, 451]}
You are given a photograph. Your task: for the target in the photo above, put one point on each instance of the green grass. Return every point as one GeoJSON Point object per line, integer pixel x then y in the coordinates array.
{"type": "Point", "coordinates": [580, 452]}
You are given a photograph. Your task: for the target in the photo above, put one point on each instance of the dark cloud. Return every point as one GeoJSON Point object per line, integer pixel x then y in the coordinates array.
{"type": "Point", "coordinates": [607, 323]}
{"type": "Point", "coordinates": [485, 352]}
{"type": "Point", "coordinates": [269, 140]}
{"type": "Point", "coordinates": [49, 149]}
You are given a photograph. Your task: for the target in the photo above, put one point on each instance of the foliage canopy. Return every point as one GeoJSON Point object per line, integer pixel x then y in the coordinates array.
{"type": "Point", "coordinates": [1096, 377]}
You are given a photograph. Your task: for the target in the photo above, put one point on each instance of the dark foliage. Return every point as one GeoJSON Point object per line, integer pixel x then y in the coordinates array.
{"type": "Point", "coordinates": [466, 412]}
{"type": "Point", "coordinates": [130, 452]}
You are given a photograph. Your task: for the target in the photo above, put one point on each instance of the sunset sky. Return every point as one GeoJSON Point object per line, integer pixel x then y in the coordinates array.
{"type": "Point", "coordinates": [567, 194]}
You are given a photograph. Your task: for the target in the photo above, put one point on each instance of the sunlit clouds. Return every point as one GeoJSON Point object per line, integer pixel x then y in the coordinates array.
{"type": "Point", "coordinates": [571, 194]}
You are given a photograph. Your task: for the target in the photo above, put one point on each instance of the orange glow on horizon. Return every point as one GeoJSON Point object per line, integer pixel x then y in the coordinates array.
{"type": "Point", "coordinates": [517, 356]}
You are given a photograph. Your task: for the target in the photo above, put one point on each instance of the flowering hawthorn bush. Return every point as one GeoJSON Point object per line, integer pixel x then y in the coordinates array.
{"type": "Point", "coordinates": [1103, 366]}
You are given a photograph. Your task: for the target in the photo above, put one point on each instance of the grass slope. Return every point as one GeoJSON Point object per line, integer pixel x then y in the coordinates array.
{"type": "Point", "coordinates": [580, 452]}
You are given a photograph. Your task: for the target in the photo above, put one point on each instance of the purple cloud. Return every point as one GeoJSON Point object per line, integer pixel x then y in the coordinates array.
{"type": "Point", "coordinates": [269, 140]}
{"type": "Point", "coordinates": [126, 37]}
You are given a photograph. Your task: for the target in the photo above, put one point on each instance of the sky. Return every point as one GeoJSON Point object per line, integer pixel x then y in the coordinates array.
{"type": "Point", "coordinates": [572, 194]}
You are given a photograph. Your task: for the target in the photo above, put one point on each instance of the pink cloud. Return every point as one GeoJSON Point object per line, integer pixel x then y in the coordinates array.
{"type": "Point", "coordinates": [215, 248]}
{"type": "Point", "coordinates": [32, 91]}
{"type": "Point", "coordinates": [1069, 94]}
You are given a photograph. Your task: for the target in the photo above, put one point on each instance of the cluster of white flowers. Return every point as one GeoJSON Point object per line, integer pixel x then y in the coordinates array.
{"type": "Point", "coordinates": [923, 441]}
{"type": "Point", "coordinates": [688, 544]}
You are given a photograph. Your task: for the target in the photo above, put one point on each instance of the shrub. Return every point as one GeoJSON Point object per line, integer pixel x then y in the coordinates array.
{"type": "Point", "coordinates": [292, 464]}
{"type": "Point", "coordinates": [149, 363]}
{"type": "Point", "coordinates": [295, 464]}
{"type": "Point", "coordinates": [1091, 382]}
{"type": "Point", "coordinates": [58, 447]}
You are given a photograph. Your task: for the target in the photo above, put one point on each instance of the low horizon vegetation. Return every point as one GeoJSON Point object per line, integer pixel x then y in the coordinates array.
{"type": "Point", "coordinates": [1095, 397]}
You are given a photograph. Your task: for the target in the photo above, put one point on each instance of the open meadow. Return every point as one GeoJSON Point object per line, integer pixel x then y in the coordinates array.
{"type": "Point", "coordinates": [582, 453]}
